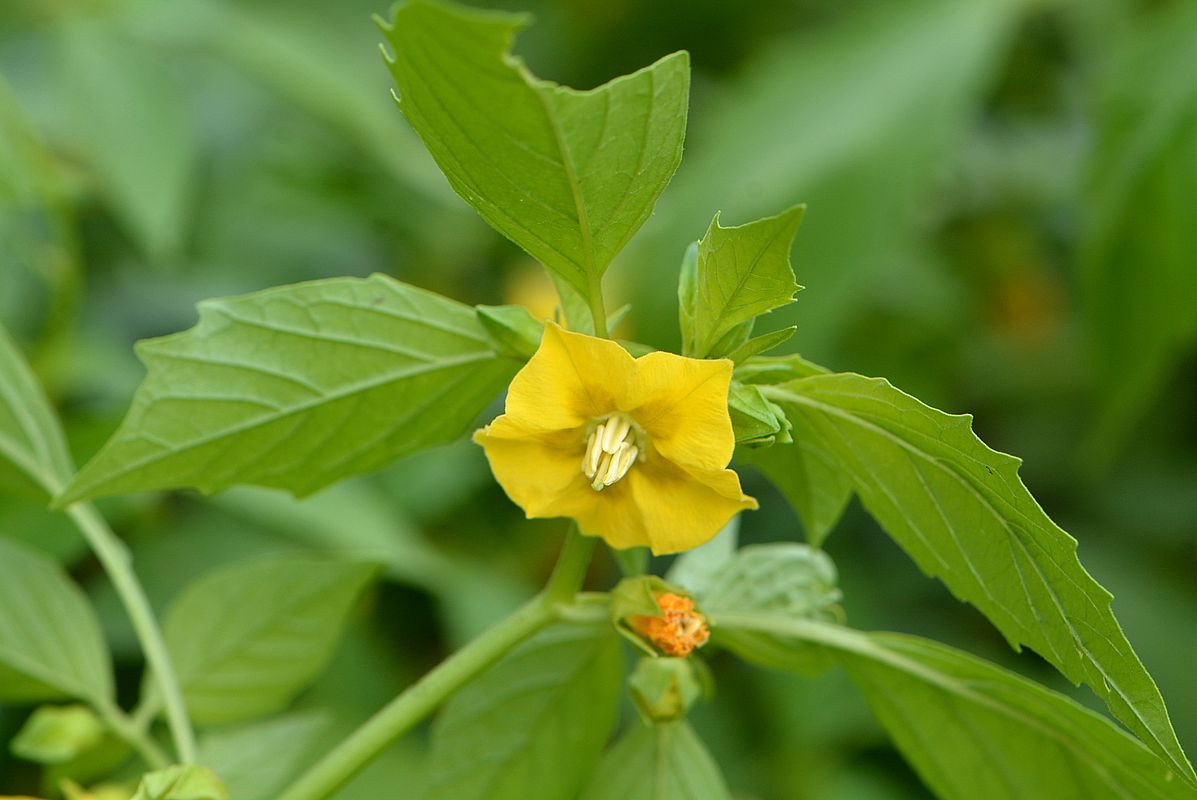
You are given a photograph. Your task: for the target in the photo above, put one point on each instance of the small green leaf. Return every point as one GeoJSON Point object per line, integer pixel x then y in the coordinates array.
{"type": "Point", "coordinates": [181, 783]}
{"type": "Point", "coordinates": [760, 344]}
{"type": "Point", "coordinates": [33, 452]}
{"type": "Point", "coordinates": [974, 731]}
{"type": "Point", "coordinates": [246, 638]}
{"type": "Point", "coordinates": [256, 761]}
{"type": "Point", "coordinates": [50, 640]}
{"type": "Point", "coordinates": [771, 370]}
{"type": "Point", "coordinates": [297, 387]}
{"type": "Point", "coordinates": [658, 762]}
{"type": "Point", "coordinates": [534, 724]}
{"type": "Point", "coordinates": [57, 734]}
{"type": "Point", "coordinates": [755, 421]}
{"type": "Point", "coordinates": [735, 275]}
{"type": "Point", "coordinates": [569, 176]}
{"type": "Point", "coordinates": [784, 580]}
{"type": "Point", "coordinates": [511, 330]}
{"type": "Point", "coordinates": [962, 513]}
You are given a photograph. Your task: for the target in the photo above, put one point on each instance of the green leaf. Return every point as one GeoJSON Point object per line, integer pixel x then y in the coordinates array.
{"type": "Point", "coordinates": [33, 452]}
{"type": "Point", "coordinates": [755, 421]}
{"type": "Point", "coordinates": [961, 511]}
{"type": "Point", "coordinates": [974, 731]}
{"type": "Point", "coordinates": [737, 274]}
{"type": "Point", "coordinates": [512, 330]}
{"type": "Point", "coordinates": [569, 176]}
{"type": "Point", "coordinates": [132, 126]}
{"type": "Point", "coordinates": [57, 734]}
{"type": "Point", "coordinates": [760, 344]}
{"type": "Point", "coordinates": [658, 762]}
{"type": "Point", "coordinates": [534, 724]}
{"type": "Point", "coordinates": [247, 638]}
{"type": "Point", "coordinates": [783, 580]}
{"type": "Point", "coordinates": [297, 387]}
{"type": "Point", "coordinates": [1137, 247]}
{"type": "Point", "coordinates": [770, 370]}
{"type": "Point", "coordinates": [50, 640]}
{"type": "Point", "coordinates": [256, 761]}
{"type": "Point", "coordinates": [181, 783]}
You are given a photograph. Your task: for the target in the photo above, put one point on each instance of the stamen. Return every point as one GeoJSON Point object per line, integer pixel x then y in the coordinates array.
{"type": "Point", "coordinates": [611, 450]}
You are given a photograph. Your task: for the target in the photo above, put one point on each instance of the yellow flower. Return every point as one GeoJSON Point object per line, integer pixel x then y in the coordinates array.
{"type": "Point", "coordinates": [635, 450]}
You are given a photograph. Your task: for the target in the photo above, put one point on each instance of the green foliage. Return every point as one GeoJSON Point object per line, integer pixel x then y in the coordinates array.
{"type": "Point", "coordinates": [57, 734]}
{"type": "Point", "coordinates": [181, 783]}
{"type": "Point", "coordinates": [658, 762]}
{"type": "Point", "coordinates": [518, 731]}
{"type": "Point", "coordinates": [788, 580]}
{"type": "Point", "coordinates": [132, 127]}
{"type": "Point", "coordinates": [33, 453]}
{"type": "Point", "coordinates": [569, 176]}
{"type": "Point", "coordinates": [973, 730]}
{"type": "Point", "coordinates": [961, 511]}
{"type": "Point", "coordinates": [737, 274]}
{"type": "Point", "coordinates": [255, 761]}
{"type": "Point", "coordinates": [755, 421]}
{"type": "Point", "coordinates": [297, 387]}
{"type": "Point", "coordinates": [50, 641]}
{"type": "Point", "coordinates": [1137, 253]}
{"type": "Point", "coordinates": [246, 639]}
{"type": "Point", "coordinates": [512, 330]}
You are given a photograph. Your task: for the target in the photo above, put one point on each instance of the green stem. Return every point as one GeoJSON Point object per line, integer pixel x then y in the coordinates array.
{"type": "Point", "coordinates": [571, 567]}
{"type": "Point", "coordinates": [417, 701]}
{"type": "Point", "coordinates": [128, 729]}
{"type": "Point", "coordinates": [115, 559]}
{"type": "Point", "coordinates": [597, 309]}
{"type": "Point", "coordinates": [633, 561]}
{"type": "Point", "coordinates": [423, 697]}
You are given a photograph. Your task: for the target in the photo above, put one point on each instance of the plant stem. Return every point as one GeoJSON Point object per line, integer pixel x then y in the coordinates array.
{"type": "Point", "coordinates": [633, 561]}
{"type": "Point", "coordinates": [422, 698]}
{"type": "Point", "coordinates": [115, 559]}
{"type": "Point", "coordinates": [571, 567]}
{"type": "Point", "coordinates": [127, 728]}
{"type": "Point", "coordinates": [597, 309]}
{"type": "Point", "coordinates": [417, 701]}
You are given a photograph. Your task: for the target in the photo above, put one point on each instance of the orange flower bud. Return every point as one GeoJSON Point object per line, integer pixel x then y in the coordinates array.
{"type": "Point", "coordinates": [678, 631]}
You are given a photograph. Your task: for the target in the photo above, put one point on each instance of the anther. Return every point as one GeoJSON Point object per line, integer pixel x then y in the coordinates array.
{"type": "Point", "coordinates": [611, 450]}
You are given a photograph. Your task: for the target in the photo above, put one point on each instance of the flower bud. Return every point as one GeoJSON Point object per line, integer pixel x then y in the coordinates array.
{"type": "Point", "coordinates": [664, 689]}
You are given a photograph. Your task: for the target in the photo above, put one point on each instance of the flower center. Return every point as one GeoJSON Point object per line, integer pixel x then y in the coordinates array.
{"type": "Point", "coordinates": [614, 445]}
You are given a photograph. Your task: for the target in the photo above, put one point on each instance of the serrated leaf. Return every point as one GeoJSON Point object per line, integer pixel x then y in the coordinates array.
{"type": "Point", "coordinates": [761, 344]}
{"type": "Point", "coordinates": [255, 762]}
{"type": "Point", "coordinates": [770, 370]}
{"type": "Point", "coordinates": [961, 511]}
{"type": "Point", "coordinates": [534, 724]}
{"type": "Point", "coordinates": [246, 638]}
{"type": "Point", "coordinates": [569, 176]}
{"type": "Point", "coordinates": [132, 127]}
{"type": "Point", "coordinates": [974, 731]}
{"type": "Point", "coordinates": [736, 274]}
{"type": "Point", "coordinates": [33, 452]}
{"type": "Point", "coordinates": [50, 640]}
{"type": "Point", "coordinates": [297, 387]}
{"type": "Point", "coordinates": [783, 580]}
{"type": "Point", "coordinates": [658, 762]}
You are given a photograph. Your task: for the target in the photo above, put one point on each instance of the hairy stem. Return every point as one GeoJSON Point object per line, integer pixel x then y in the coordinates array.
{"type": "Point", "coordinates": [115, 559]}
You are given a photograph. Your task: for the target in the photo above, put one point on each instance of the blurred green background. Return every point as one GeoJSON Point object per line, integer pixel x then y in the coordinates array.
{"type": "Point", "coordinates": [1001, 220]}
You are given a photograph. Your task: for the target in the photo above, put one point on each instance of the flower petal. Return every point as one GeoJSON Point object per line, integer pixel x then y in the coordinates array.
{"type": "Point", "coordinates": [535, 469]}
{"type": "Point", "coordinates": [683, 407]}
{"type": "Point", "coordinates": [570, 380]}
{"type": "Point", "coordinates": [680, 511]}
